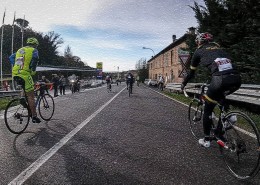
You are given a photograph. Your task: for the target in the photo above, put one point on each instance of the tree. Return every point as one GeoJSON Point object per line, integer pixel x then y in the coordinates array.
{"type": "Point", "coordinates": [22, 23]}
{"type": "Point", "coordinates": [142, 69]}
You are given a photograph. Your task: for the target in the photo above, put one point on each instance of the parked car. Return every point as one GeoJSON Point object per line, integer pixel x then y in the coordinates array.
{"type": "Point", "coordinates": [150, 82]}
{"type": "Point", "coordinates": [96, 83]}
{"type": "Point", "coordinates": [146, 81]}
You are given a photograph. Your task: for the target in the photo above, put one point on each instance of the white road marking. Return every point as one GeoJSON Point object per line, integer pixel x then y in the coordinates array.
{"type": "Point", "coordinates": [28, 172]}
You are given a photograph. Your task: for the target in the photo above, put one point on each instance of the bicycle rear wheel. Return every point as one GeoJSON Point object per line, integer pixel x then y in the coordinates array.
{"type": "Point", "coordinates": [130, 89]}
{"type": "Point", "coordinates": [46, 107]}
{"type": "Point", "coordinates": [242, 157]}
{"type": "Point", "coordinates": [16, 117]}
{"type": "Point", "coordinates": [195, 115]}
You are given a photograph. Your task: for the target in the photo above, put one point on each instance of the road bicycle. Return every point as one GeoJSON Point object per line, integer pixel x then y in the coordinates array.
{"type": "Point", "coordinates": [17, 112]}
{"type": "Point", "coordinates": [130, 89]}
{"type": "Point", "coordinates": [235, 133]}
{"type": "Point", "coordinates": [109, 87]}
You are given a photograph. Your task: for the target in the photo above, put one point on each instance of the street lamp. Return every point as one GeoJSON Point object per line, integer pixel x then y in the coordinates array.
{"type": "Point", "coordinates": [118, 72]}
{"type": "Point", "coordinates": [150, 49]}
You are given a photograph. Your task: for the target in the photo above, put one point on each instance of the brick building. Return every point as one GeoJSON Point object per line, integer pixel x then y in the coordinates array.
{"type": "Point", "coordinates": [169, 61]}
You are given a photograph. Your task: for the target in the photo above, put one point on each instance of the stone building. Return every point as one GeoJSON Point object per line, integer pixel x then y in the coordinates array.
{"type": "Point", "coordinates": [171, 60]}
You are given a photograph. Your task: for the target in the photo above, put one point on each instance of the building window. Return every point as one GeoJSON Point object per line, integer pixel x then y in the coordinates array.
{"type": "Point", "coordinates": [166, 59]}
{"type": "Point", "coordinates": [172, 57]}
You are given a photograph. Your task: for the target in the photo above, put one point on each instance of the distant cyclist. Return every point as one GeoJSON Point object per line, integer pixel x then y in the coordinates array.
{"type": "Point", "coordinates": [225, 78]}
{"type": "Point", "coordinates": [129, 80]}
{"type": "Point", "coordinates": [109, 81]}
{"type": "Point", "coordinates": [25, 62]}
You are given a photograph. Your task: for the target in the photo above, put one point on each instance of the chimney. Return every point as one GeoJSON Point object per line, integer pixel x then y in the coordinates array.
{"type": "Point", "coordinates": [173, 38]}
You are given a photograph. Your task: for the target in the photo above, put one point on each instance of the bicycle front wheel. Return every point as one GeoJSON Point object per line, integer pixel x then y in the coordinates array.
{"type": "Point", "coordinates": [195, 115]}
{"type": "Point", "coordinates": [46, 107]}
{"type": "Point", "coordinates": [242, 156]}
{"type": "Point", "coordinates": [16, 116]}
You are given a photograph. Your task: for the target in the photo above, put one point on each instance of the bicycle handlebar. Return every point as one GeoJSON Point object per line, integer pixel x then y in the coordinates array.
{"type": "Point", "coordinates": [39, 85]}
{"type": "Point", "coordinates": [199, 86]}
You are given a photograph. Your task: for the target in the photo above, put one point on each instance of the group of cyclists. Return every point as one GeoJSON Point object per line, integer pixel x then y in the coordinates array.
{"type": "Point", "coordinates": [129, 79]}
{"type": "Point", "coordinates": [225, 79]}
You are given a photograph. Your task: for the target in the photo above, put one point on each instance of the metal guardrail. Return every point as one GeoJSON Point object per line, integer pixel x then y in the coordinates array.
{"type": "Point", "coordinates": [247, 93]}
{"type": "Point", "coordinates": [4, 94]}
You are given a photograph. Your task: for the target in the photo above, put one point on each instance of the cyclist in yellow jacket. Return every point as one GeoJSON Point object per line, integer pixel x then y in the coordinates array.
{"type": "Point", "coordinates": [25, 62]}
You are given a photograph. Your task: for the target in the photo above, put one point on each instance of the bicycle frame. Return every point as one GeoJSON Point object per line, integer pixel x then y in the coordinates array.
{"type": "Point", "coordinates": [41, 91]}
{"type": "Point", "coordinates": [220, 120]}
{"type": "Point", "coordinates": [109, 86]}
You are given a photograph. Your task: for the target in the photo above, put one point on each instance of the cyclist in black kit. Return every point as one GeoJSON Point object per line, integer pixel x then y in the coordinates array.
{"type": "Point", "coordinates": [129, 80]}
{"type": "Point", "coordinates": [225, 78]}
{"type": "Point", "coordinates": [109, 82]}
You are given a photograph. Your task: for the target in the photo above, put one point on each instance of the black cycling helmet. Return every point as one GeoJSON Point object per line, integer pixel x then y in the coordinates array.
{"type": "Point", "coordinates": [203, 37]}
{"type": "Point", "coordinates": [32, 41]}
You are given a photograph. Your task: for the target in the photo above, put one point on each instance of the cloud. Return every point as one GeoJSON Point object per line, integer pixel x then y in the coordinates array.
{"type": "Point", "coordinates": [108, 30]}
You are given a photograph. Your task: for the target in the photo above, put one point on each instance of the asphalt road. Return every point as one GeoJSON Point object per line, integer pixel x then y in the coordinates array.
{"type": "Point", "coordinates": [101, 138]}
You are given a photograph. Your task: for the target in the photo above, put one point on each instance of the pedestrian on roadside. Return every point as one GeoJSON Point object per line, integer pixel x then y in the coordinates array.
{"type": "Point", "coordinates": [161, 83]}
{"type": "Point", "coordinates": [62, 83]}
{"type": "Point", "coordinates": [55, 81]}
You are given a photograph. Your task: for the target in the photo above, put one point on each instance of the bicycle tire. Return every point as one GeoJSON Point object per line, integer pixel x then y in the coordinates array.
{"type": "Point", "coordinates": [14, 110]}
{"type": "Point", "coordinates": [109, 88]}
{"type": "Point", "coordinates": [46, 107]}
{"type": "Point", "coordinates": [130, 90]}
{"type": "Point", "coordinates": [242, 157]}
{"type": "Point", "coordinates": [195, 116]}
{"type": "Point", "coordinates": [72, 89]}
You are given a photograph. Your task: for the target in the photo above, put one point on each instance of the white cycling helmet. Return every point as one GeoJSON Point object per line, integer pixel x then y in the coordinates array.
{"type": "Point", "coordinates": [204, 37]}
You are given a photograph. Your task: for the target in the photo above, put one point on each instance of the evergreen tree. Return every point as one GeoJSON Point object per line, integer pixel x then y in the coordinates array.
{"type": "Point", "coordinates": [235, 26]}
{"type": "Point", "coordinates": [142, 69]}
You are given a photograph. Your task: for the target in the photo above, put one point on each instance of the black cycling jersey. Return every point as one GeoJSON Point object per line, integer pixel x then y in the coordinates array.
{"type": "Point", "coordinates": [130, 78]}
{"type": "Point", "coordinates": [210, 55]}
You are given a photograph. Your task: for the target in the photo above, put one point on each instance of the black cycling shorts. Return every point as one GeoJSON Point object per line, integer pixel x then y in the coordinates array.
{"type": "Point", "coordinates": [223, 85]}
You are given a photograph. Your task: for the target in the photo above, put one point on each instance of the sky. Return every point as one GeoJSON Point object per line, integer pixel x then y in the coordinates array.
{"type": "Point", "coordinates": [110, 31]}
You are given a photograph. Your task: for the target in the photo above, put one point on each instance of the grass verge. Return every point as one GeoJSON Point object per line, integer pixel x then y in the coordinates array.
{"type": "Point", "coordinates": [4, 102]}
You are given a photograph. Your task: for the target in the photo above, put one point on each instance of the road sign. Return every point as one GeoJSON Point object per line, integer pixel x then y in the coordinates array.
{"type": "Point", "coordinates": [184, 59]}
{"type": "Point", "coordinates": [100, 65]}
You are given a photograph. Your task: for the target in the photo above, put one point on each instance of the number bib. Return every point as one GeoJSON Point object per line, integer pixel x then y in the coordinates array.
{"type": "Point", "coordinates": [20, 62]}
{"type": "Point", "coordinates": [223, 64]}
